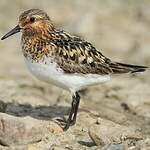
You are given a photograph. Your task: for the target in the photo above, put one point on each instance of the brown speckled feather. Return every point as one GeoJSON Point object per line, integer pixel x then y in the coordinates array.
{"type": "Point", "coordinates": [72, 54]}
{"type": "Point", "coordinates": [75, 55]}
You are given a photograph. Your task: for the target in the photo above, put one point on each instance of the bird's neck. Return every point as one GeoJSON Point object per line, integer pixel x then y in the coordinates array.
{"type": "Point", "coordinates": [36, 44]}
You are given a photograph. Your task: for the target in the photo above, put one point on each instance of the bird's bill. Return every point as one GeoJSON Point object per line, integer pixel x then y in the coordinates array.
{"type": "Point", "coordinates": [13, 31]}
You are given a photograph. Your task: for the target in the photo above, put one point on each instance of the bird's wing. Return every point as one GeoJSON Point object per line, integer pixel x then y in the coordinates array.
{"type": "Point", "coordinates": [74, 55]}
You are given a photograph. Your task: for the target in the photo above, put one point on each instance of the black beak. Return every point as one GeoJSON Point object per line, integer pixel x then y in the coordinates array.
{"type": "Point", "coordinates": [13, 31]}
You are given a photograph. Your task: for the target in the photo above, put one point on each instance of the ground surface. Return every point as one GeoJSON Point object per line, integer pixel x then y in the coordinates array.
{"type": "Point", "coordinates": [115, 115]}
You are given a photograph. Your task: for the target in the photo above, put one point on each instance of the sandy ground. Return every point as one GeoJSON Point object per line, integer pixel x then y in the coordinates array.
{"type": "Point", "coordinates": [121, 29]}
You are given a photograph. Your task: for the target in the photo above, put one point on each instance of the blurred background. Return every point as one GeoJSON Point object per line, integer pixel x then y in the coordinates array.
{"type": "Point", "coordinates": [120, 29]}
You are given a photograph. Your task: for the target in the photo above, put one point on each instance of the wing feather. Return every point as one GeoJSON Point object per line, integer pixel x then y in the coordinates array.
{"type": "Point", "coordinates": [75, 55]}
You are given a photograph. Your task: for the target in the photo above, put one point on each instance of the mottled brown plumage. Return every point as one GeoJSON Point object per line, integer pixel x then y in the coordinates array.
{"type": "Point", "coordinates": [72, 54]}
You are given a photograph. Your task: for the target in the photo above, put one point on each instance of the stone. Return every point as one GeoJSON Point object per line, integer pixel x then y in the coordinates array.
{"type": "Point", "coordinates": [108, 132]}
{"type": "Point", "coordinates": [58, 148]}
{"type": "Point", "coordinates": [113, 147]}
{"type": "Point", "coordinates": [18, 131]}
{"type": "Point", "coordinates": [54, 128]}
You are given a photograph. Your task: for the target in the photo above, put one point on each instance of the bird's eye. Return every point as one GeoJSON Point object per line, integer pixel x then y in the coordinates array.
{"type": "Point", "coordinates": [32, 19]}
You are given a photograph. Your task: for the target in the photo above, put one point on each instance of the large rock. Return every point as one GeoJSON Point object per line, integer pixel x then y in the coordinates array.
{"type": "Point", "coordinates": [17, 131]}
{"type": "Point", "coordinates": [107, 132]}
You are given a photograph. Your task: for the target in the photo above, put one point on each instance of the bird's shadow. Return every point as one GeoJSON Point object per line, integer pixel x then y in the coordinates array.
{"type": "Point", "coordinates": [38, 112]}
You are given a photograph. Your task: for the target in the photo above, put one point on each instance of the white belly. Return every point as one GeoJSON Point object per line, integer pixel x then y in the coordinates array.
{"type": "Point", "coordinates": [72, 82]}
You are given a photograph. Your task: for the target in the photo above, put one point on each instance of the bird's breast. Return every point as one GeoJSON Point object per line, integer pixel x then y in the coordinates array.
{"type": "Point", "coordinates": [48, 72]}
{"type": "Point", "coordinates": [52, 74]}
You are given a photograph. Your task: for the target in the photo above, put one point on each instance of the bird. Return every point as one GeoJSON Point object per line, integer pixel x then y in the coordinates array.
{"type": "Point", "coordinates": [64, 60]}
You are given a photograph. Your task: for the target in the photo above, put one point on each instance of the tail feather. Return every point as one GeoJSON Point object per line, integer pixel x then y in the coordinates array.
{"type": "Point", "coordinates": [118, 68]}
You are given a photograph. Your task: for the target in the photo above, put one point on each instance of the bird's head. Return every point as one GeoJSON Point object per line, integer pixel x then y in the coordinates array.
{"type": "Point", "coordinates": [31, 22]}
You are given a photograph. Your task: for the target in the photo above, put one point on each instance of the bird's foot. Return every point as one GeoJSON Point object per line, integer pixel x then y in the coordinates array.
{"type": "Point", "coordinates": [66, 123]}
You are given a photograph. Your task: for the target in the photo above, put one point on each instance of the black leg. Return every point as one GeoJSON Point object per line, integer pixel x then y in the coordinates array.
{"type": "Point", "coordinates": [74, 109]}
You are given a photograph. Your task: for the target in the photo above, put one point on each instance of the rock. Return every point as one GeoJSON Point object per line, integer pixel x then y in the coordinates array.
{"type": "Point", "coordinates": [113, 147]}
{"type": "Point", "coordinates": [145, 144]}
{"type": "Point", "coordinates": [108, 132]}
{"type": "Point", "coordinates": [18, 131]}
{"type": "Point", "coordinates": [14, 147]}
{"type": "Point", "coordinates": [54, 128]}
{"type": "Point", "coordinates": [32, 147]}
{"type": "Point", "coordinates": [58, 148]}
